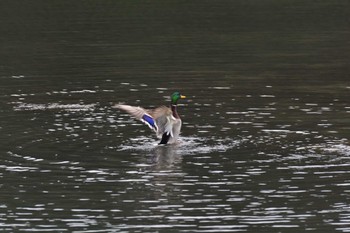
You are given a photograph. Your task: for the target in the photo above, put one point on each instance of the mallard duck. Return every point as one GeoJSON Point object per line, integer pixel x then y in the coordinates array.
{"type": "Point", "coordinates": [165, 121]}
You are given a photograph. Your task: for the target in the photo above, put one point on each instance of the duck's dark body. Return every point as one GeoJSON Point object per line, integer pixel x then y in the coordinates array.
{"type": "Point", "coordinates": [166, 136]}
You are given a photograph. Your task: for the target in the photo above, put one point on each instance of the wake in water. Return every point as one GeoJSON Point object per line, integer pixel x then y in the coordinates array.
{"type": "Point", "coordinates": [337, 149]}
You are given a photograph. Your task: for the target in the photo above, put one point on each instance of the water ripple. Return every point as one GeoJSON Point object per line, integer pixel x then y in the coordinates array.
{"type": "Point", "coordinates": [66, 107]}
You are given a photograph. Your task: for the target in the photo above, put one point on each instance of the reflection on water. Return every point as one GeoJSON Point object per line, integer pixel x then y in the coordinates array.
{"type": "Point", "coordinates": [265, 140]}
{"type": "Point", "coordinates": [165, 155]}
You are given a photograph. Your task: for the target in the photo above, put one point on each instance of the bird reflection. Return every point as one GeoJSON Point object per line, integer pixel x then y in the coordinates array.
{"type": "Point", "coordinates": [165, 155]}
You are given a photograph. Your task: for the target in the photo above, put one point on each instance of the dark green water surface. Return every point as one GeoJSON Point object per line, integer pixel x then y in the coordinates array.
{"type": "Point", "coordinates": [266, 123]}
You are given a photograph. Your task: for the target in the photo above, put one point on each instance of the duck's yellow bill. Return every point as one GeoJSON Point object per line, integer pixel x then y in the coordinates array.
{"type": "Point", "coordinates": [182, 96]}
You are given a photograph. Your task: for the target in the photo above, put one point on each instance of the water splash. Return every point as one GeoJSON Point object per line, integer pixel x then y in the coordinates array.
{"type": "Point", "coordinates": [185, 145]}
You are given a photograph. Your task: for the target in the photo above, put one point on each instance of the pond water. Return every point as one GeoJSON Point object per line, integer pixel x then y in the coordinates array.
{"type": "Point", "coordinates": [265, 137]}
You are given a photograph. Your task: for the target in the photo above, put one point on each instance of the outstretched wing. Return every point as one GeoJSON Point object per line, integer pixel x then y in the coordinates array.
{"type": "Point", "coordinates": [161, 119]}
{"type": "Point", "coordinates": [140, 114]}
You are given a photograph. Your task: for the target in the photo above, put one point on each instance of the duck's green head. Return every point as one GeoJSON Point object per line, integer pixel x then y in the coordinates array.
{"type": "Point", "coordinates": [176, 96]}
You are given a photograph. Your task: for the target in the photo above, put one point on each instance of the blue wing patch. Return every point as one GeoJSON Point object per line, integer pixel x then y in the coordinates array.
{"type": "Point", "coordinates": [147, 119]}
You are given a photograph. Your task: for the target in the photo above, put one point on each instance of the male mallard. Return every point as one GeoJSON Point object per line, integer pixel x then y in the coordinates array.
{"type": "Point", "coordinates": [164, 121]}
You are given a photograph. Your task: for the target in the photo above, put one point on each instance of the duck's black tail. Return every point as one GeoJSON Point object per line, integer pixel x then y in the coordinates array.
{"type": "Point", "coordinates": [165, 138]}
